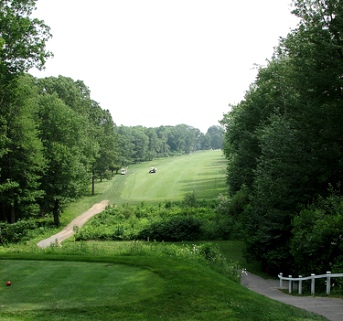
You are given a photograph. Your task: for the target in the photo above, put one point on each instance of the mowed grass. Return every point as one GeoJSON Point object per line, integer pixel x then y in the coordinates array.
{"type": "Point", "coordinates": [57, 285]}
{"type": "Point", "coordinates": [201, 173]}
{"type": "Point", "coordinates": [128, 288]}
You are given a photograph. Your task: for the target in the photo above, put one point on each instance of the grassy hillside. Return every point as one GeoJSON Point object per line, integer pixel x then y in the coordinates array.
{"type": "Point", "coordinates": [203, 173]}
{"type": "Point", "coordinates": [129, 288]}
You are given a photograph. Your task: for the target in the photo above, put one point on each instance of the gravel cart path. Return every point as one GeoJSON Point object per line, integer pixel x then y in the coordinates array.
{"type": "Point", "coordinates": [79, 222]}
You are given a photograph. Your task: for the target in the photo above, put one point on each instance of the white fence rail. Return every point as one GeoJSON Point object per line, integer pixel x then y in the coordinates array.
{"type": "Point", "coordinates": [312, 277]}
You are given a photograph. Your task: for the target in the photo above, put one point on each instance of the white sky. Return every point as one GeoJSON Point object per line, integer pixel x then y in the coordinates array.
{"type": "Point", "coordinates": [163, 62]}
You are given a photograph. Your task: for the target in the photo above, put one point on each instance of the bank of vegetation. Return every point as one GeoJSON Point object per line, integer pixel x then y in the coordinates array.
{"type": "Point", "coordinates": [284, 145]}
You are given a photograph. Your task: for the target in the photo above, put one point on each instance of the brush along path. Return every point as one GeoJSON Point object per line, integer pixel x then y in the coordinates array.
{"type": "Point", "coordinates": [330, 308]}
{"type": "Point", "coordinates": [68, 231]}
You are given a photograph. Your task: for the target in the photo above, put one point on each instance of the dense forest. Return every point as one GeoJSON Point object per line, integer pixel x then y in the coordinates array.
{"type": "Point", "coordinates": [284, 143]}
{"type": "Point", "coordinates": [54, 139]}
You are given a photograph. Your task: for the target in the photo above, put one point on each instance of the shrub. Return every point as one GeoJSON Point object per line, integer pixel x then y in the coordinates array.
{"type": "Point", "coordinates": [178, 228]}
{"type": "Point", "coordinates": [317, 242]}
{"type": "Point", "coordinates": [16, 232]}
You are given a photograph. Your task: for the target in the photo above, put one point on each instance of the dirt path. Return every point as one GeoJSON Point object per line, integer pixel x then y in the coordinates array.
{"type": "Point", "coordinates": [79, 222]}
{"type": "Point", "coordinates": [330, 308]}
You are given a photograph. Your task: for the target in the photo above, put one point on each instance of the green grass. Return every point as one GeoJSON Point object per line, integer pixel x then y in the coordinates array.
{"type": "Point", "coordinates": [44, 285]}
{"type": "Point", "coordinates": [128, 288]}
{"type": "Point", "coordinates": [203, 173]}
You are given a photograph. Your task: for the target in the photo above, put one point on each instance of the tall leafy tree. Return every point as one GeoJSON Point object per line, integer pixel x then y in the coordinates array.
{"type": "Point", "coordinates": [22, 46]}
{"type": "Point", "coordinates": [140, 142]}
{"type": "Point", "coordinates": [23, 163]}
{"type": "Point", "coordinates": [100, 141]}
{"type": "Point", "coordinates": [215, 135]}
{"type": "Point", "coordinates": [22, 38]}
{"type": "Point", "coordinates": [125, 147]}
{"type": "Point", "coordinates": [107, 141]}
{"type": "Point", "coordinates": [63, 133]}
{"type": "Point", "coordinates": [154, 143]}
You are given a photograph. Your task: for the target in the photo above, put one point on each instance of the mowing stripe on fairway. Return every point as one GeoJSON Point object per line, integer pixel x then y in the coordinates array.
{"type": "Point", "coordinates": [61, 285]}
{"type": "Point", "coordinates": [203, 173]}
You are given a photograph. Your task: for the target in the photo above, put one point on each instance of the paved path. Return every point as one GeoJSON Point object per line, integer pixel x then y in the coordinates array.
{"type": "Point", "coordinates": [68, 231]}
{"type": "Point", "coordinates": [330, 308]}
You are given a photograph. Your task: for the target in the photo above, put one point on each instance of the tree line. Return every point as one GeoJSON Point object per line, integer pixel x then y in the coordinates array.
{"type": "Point", "coordinates": [138, 143]}
{"type": "Point", "coordinates": [54, 139]}
{"type": "Point", "coordinates": [285, 149]}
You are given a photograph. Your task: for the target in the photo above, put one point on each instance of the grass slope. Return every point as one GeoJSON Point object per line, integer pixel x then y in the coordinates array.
{"type": "Point", "coordinates": [129, 288]}
{"type": "Point", "coordinates": [202, 173]}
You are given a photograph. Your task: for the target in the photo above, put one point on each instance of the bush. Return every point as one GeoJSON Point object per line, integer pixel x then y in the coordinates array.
{"type": "Point", "coordinates": [179, 228]}
{"type": "Point", "coordinates": [317, 242]}
{"type": "Point", "coordinates": [169, 221]}
{"type": "Point", "coordinates": [16, 232]}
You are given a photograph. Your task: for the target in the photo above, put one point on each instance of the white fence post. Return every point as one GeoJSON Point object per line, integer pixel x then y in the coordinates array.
{"type": "Point", "coordinates": [281, 275]}
{"type": "Point", "coordinates": [312, 277]}
{"type": "Point", "coordinates": [313, 284]}
{"type": "Point", "coordinates": [328, 281]}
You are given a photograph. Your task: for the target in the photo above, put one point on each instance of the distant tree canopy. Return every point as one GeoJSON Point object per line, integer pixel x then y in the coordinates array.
{"type": "Point", "coordinates": [140, 143]}
{"type": "Point", "coordinates": [284, 142]}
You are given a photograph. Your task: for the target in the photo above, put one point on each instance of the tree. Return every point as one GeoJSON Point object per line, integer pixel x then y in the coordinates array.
{"type": "Point", "coordinates": [316, 243]}
{"type": "Point", "coordinates": [22, 163]}
{"type": "Point", "coordinates": [64, 135]}
{"type": "Point", "coordinates": [107, 141]}
{"type": "Point", "coordinates": [215, 136]}
{"type": "Point", "coordinates": [125, 147]}
{"type": "Point", "coordinates": [22, 46]}
{"type": "Point", "coordinates": [140, 142]}
{"type": "Point", "coordinates": [100, 141]}
{"type": "Point", "coordinates": [163, 133]}
{"type": "Point", "coordinates": [154, 143]}
{"type": "Point", "coordinates": [22, 39]}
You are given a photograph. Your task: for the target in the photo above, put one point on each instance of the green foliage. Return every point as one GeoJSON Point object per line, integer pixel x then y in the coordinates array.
{"type": "Point", "coordinates": [17, 232]}
{"type": "Point", "coordinates": [139, 143]}
{"type": "Point", "coordinates": [171, 221]}
{"type": "Point", "coordinates": [283, 141]}
{"type": "Point", "coordinates": [190, 200]}
{"type": "Point", "coordinates": [176, 229]}
{"type": "Point", "coordinates": [22, 163]}
{"type": "Point", "coordinates": [23, 39]}
{"type": "Point", "coordinates": [317, 242]}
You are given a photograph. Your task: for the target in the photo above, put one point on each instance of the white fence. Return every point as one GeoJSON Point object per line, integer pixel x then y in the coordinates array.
{"type": "Point", "coordinates": [312, 277]}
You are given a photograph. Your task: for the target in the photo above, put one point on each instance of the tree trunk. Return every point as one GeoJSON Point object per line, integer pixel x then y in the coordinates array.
{"type": "Point", "coordinates": [93, 189]}
{"type": "Point", "coordinates": [12, 218]}
{"type": "Point", "coordinates": [56, 212]}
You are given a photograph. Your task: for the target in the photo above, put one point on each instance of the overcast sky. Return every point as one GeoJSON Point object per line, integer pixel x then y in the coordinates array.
{"type": "Point", "coordinates": [163, 62]}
